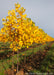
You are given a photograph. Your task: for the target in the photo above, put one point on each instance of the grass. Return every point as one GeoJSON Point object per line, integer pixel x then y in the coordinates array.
{"type": "Point", "coordinates": [48, 62]}
{"type": "Point", "coordinates": [47, 65]}
{"type": "Point", "coordinates": [6, 63]}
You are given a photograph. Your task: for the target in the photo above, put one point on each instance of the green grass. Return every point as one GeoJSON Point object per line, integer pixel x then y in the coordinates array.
{"type": "Point", "coordinates": [48, 63]}
{"type": "Point", "coordinates": [4, 64]}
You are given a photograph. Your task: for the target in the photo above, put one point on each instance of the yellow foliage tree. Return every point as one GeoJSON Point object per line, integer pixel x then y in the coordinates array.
{"type": "Point", "coordinates": [19, 30]}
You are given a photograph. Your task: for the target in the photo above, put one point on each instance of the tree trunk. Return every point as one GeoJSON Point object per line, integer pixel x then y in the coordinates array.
{"type": "Point", "coordinates": [17, 60]}
{"type": "Point", "coordinates": [13, 64]}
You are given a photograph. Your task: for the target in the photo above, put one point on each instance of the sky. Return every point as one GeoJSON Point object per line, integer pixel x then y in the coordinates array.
{"type": "Point", "coordinates": [40, 11]}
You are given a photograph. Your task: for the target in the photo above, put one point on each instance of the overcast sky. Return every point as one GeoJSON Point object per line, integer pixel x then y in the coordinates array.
{"type": "Point", "coordinates": [40, 11]}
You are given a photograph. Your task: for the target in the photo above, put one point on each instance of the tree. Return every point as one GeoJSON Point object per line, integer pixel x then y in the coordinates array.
{"type": "Point", "coordinates": [19, 30]}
